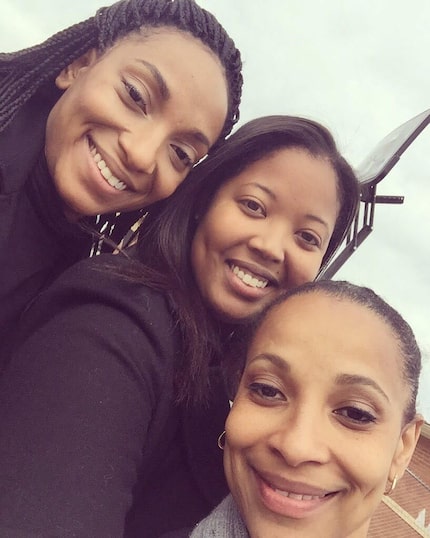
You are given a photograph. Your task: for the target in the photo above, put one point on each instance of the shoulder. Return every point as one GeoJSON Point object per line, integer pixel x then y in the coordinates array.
{"type": "Point", "coordinates": [93, 319]}
{"type": "Point", "coordinates": [104, 282]}
{"type": "Point", "coordinates": [101, 307]}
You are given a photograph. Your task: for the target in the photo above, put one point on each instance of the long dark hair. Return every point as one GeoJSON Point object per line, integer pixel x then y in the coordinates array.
{"type": "Point", "coordinates": [166, 236]}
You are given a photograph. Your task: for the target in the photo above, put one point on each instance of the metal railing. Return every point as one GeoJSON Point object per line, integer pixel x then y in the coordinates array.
{"type": "Point", "coordinates": [370, 173]}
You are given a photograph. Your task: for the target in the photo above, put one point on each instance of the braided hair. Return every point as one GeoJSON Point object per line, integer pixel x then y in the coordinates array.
{"type": "Point", "coordinates": [23, 72]}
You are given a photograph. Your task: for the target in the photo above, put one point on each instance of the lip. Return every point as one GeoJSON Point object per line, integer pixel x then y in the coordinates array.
{"type": "Point", "coordinates": [293, 486]}
{"type": "Point", "coordinates": [258, 271]}
{"type": "Point", "coordinates": [288, 498]}
{"type": "Point", "coordinates": [242, 290]}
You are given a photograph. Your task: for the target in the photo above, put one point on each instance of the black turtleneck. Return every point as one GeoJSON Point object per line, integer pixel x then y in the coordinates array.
{"type": "Point", "coordinates": [36, 240]}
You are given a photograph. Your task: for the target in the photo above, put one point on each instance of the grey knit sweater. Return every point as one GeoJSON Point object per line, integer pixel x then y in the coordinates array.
{"type": "Point", "coordinates": [224, 521]}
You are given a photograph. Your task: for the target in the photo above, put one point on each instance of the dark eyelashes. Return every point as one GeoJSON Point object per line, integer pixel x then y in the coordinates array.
{"type": "Point", "coordinates": [357, 415]}
{"type": "Point", "coordinates": [183, 156]}
{"type": "Point", "coordinates": [310, 238]}
{"type": "Point", "coordinates": [135, 94]}
{"type": "Point", "coordinates": [252, 206]}
{"type": "Point", "coordinates": [351, 415]}
{"type": "Point", "coordinates": [263, 390]}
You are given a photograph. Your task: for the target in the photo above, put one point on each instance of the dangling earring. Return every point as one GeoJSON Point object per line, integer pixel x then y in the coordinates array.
{"type": "Point", "coordinates": [392, 487]}
{"type": "Point", "coordinates": [221, 440]}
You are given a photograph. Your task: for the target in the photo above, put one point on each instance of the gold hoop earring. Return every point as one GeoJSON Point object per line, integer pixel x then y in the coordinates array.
{"type": "Point", "coordinates": [221, 440]}
{"type": "Point", "coordinates": [392, 487]}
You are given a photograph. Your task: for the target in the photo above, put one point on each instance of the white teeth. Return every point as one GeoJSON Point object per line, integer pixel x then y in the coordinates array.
{"type": "Point", "coordinates": [105, 171]}
{"type": "Point", "coordinates": [248, 279]}
{"type": "Point", "coordinates": [297, 496]}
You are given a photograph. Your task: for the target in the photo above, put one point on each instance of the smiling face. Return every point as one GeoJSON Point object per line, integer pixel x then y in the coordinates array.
{"type": "Point", "coordinates": [133, 121]}
{"type": "Point", "coordinates": [266, 230]}
{"type": "Point", "coordinates": [316, 428]}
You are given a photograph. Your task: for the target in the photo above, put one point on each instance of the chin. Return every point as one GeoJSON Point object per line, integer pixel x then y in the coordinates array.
{"type": "Point", "coordinates": [235, 318]}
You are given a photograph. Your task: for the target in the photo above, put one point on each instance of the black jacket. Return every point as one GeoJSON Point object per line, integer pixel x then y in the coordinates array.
{"type": "Point", "coordinates": [91, 442]}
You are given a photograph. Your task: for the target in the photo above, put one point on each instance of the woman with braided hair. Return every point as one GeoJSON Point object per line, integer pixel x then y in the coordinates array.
{"type": "Point", "coordinates": [101, 120]}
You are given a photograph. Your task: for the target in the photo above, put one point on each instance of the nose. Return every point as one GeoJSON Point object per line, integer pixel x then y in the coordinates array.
{"type": "Point", "coordinates": [277, 245]}
{"type": "Point", "coordinates": [270, 243]}
{"type": "Point", "coordinates": [304, 438]}
{"type": "Point", "coordinates": [140, 148]}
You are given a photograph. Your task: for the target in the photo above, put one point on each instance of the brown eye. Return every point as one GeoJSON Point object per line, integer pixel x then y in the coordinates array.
{"type": "Point", "coordinates": [265, 391]}
{"type": "Point", "coordinates": [310, 238]}
{"type": "Point", "coordinates": [252, 204]}
{"type": "Point", "coordinates": [183, 156]}
{"type": "Point", "coordinates": [253, 207]}
{"type": "Point", "coordinates": [356, 415]}
{"type": "Point", "coordinates": [135, 95]}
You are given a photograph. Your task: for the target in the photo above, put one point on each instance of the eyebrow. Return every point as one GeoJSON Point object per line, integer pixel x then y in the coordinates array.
{"type": "Point", "coordinates": [198, 136]}
{"type": "Point", "coordinates": [276, 360]}
{"type": "Point", "coordinates": [159, 79]}
{"type": "Point", "coordinates": [350, 379]}
{"type": "Point", "coordinates": [263, 188]}
{"type": "Point", "coordinates": [341, 379]}
{"type": "Point", "coordinates": [273, 196]}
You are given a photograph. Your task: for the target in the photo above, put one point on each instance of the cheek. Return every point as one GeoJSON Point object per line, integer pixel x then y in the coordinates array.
{"type": "Point", "coordinates": [229, 466]}
{"type": "Point", "coordinates": [197, 253]}
{"type": "Point", "coordinates": [207, 240]}
{"type": "Point", "coordinates": [242, 426]}
{"type": "Point", "coordinates": [85, 98]}
{"type": "Point", "coordinates": [304, 269]}
{"type": "Point", "coordinates": [55, 136]}
{"type": "Point", "coordinates": [234, 452]}
{"type": "Point", "coordinates": [372, 476]}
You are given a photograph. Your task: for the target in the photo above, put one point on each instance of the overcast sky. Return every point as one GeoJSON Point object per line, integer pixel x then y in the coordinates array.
{"type": "Point", "coordinates": [360, 68]}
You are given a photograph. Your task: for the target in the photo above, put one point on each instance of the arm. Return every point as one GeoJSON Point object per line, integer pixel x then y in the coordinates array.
{"type": "Point", "coordinates": [76, 404]}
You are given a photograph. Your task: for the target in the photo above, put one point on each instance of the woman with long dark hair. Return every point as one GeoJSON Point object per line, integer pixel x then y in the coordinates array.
{"type": "Point", "coordinates": [115, 390]}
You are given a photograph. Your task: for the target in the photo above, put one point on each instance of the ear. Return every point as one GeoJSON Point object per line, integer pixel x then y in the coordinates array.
{"type": "Point", "coordinates": [70, 73]}
{"type": "Point", "coordinates": [406, 446]}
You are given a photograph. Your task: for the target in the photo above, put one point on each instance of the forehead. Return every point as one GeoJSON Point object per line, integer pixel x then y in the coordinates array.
{"type": "Point", "coordinates": [324, 336]}
{"type": "Point", "coordinates": [295, 179]}
{"type": "Point", "coordinates": [179, 67]}
{"type": "Point", "coordinates": [293, 165]}
{"type": "Point", "coordinates": [157, 38]}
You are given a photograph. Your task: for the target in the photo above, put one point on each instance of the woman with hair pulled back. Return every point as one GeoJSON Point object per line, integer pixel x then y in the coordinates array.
{"type": "Point", "coordinates": [101, 120]}
{"type": "Point", "coordinates": [115, 390]}
{"type": "Point", "coordinates": [324, 421]}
